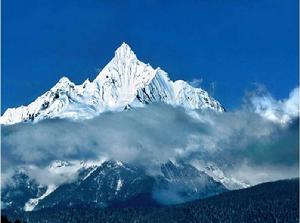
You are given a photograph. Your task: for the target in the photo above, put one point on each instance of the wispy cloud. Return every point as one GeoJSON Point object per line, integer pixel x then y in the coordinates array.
{"type": "Point", "coordinates": [247, 139]}
{"type": "Point", "coordinates": [196, 82]}
{"type": "Point", "coordinates": [280, 111]}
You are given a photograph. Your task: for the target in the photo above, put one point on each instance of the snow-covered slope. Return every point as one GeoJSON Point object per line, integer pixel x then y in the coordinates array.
{"type": "Point", "coordinates": [124, 82]}
{"type": "Point", "coordinates": [114, 183]}
{"type": "Point", "coordinates": [214, 171]}
{"type": "Point", "coordinates": [218, 175]}
{"type": "Point", "coordinates": [109, 182]}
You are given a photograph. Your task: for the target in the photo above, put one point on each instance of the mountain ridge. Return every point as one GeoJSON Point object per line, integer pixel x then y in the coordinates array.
{"type": "Point", "coordinates": [267, 202]}
{"type": "Point", "coordinates": [112, 183]}
{"type": "Point", "coordinates": [124, 82]}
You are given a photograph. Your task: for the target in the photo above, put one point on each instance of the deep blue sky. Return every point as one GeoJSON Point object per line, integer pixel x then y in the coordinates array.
{"type": "Point", "coordinates": [232, 43]}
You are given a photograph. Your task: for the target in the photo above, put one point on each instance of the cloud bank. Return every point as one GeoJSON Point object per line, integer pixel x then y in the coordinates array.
{"type": "Point", "coordinates": [256, 143]}
{"type": "Point", "coordinates": [280, 111]}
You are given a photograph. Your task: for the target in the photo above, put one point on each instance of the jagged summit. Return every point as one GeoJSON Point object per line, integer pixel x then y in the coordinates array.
{"type": "Point", "coordinates": [124, 81]}
{"type": "Point", "coordinates": [124, 52]}
{"type": "Point", "coordinates": [63, 83]}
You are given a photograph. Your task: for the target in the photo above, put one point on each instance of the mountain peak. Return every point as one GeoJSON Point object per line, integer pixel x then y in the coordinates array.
{"type": "Point", "coordinates": [124, 81]}
{"type": "Point", "coordinates": [124, 51]}
{"type": "Point", "coordinates": [63, 82]}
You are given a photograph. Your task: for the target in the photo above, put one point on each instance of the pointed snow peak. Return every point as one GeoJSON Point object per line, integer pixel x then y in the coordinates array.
{"type": "Point", "coordinates": [124, 64]}
{"type": "Point", "coordinates": [124, 52]}
{"type": "Point", "coordinates": [123, 83]}
{"type": "Point", "coordinates": [62, 83]}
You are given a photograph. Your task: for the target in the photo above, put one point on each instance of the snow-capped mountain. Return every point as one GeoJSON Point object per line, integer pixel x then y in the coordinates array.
{"type": "Point", "coordinates": [112, 183]}
{"type": "Point", "coordinates": [123, 83]}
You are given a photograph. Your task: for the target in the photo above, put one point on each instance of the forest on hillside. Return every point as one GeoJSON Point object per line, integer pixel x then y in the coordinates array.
{"type": "Point", "coordinates": [267, 202]}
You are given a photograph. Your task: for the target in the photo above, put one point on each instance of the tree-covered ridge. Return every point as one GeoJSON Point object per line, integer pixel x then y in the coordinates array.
{"type": "Point", "coordinates": [267, 202]}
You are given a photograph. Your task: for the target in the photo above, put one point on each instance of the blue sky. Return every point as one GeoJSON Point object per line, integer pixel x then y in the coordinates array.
{"type": "Point", "coordinates": [232, 44]}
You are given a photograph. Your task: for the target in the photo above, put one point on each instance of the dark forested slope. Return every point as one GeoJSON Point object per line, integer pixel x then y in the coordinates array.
{"type": "Point", "coordinates": [267, 202]}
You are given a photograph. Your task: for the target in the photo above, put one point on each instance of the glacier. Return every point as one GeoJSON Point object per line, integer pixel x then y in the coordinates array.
{"type": "Point", "coordinates": [125, 82]}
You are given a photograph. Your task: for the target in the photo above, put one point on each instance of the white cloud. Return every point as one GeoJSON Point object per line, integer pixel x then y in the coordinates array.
{"type": "Point", "coordinates": [152, 135]}
{"type": "Point", "coordinates": [281, 111]}
{"type": "Point", "coordinates": [196, 82]}
{"type": "Point", "coordinates": [264, 173]}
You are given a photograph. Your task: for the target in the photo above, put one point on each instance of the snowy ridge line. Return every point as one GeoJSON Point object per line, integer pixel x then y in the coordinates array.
{"type": "Point", "coordinates": [123, 83]}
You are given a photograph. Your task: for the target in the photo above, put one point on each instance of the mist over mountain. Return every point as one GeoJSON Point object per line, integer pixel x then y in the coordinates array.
{"type": "Point", "coordinates": [132, 134]}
